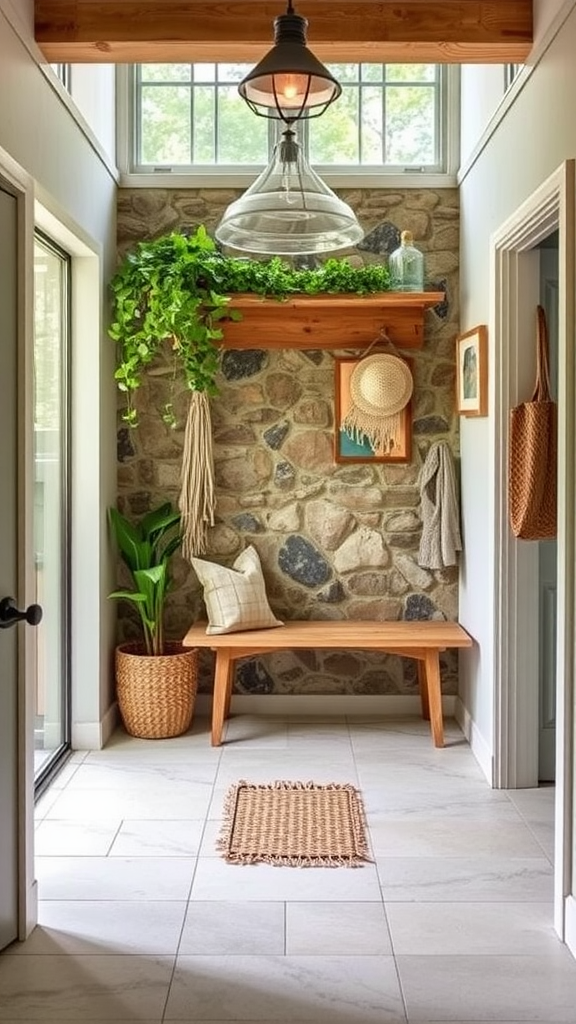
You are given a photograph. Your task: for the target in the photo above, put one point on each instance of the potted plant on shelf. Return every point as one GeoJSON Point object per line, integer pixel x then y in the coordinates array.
{"type": "Point", "coordinates": [170, 298]}
{"type": "Point", "coordinates": [171, 294]}
{"type": "Point", "coordinates": [156, 679]}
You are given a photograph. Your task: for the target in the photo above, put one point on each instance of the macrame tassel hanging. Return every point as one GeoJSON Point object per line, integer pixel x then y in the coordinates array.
{"type": "Point", "coordinates": [197, 500]}
{"type": "Point", "coordinates": [382, 432]}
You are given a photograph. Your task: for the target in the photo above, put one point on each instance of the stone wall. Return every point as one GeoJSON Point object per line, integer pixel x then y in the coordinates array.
{"type": "Point", "coordinates": [336, 541]}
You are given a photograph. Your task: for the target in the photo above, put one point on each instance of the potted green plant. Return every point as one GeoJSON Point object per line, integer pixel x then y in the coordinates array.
{"type": "Point", "coordinates": [156, 679]}
{"type": "Point", "coordinates": [171, 294]}
{"type": "Point", "coordinates": [166, 305]}
{"type": "Point", "coordinates": [170, 297]}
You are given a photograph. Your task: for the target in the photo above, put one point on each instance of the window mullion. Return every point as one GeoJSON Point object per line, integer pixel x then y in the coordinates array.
{"type": "Point", "coordinates": [191, 108]}
{"type": "Point", "coordinates": [384, 99]}
{"type": "Point", "coordinates": [359, 120]}
{"type": "Point", "coordinates": [215, 132]}
{"type": "Point", "coordinates": [436, 118]}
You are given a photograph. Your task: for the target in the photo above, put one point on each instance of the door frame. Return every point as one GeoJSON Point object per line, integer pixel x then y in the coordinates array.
{"type": "Point", "coordinates": [17, 182]}
{"type": "Point", "coordinates": [516, 707]}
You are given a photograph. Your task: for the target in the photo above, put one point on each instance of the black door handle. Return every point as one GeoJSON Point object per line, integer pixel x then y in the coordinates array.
{"type": "Point", "coordinates": [10, 614]}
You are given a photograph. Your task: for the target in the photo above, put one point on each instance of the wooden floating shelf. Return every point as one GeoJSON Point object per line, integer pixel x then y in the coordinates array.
{"type": "Point", "coordinates": [328, 321]}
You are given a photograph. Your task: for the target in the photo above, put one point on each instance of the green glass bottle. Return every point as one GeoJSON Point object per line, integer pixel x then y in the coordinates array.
{"type": "Point", "coordinates": [406, 265]}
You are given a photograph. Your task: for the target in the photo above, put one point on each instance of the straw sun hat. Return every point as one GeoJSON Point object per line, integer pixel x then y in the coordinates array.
{"type": "Point", "coordinates": [380, 387]}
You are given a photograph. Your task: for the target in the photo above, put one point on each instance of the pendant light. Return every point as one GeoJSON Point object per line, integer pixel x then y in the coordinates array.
{"type": "Point", "coordinates": [289, 83]}
{"type": "Point", "coordinates": [289, 210]}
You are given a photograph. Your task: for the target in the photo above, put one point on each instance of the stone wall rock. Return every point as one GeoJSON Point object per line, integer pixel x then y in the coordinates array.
{"type": "Point", "coordinates": [336, 540]}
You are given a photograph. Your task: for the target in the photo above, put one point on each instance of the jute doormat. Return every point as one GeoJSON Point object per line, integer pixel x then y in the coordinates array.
{"type": "Point", "coordinates": [297, 824]}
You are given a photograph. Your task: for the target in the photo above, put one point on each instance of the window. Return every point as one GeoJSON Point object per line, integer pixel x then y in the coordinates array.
{"type": "Point", "coordinates": [510, 73]}
{"type": "Point", "coordinates": [191, 114]}
{"type": "Point", "coordinates": [189, 118]}
{"type": "Point", "coordinates": [51, 501]}
{"type": "Point", "coordinates": [63, 72]}
{"type": "Point", "coordinates": [387, 116]}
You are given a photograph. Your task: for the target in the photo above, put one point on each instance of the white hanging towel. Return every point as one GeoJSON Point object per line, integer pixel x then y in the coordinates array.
{"type": "Point", "coordinates": [440, 541]}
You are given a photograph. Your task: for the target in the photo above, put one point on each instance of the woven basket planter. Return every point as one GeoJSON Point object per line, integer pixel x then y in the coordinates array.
{"type": "Point", "coordinates": [156, 694]}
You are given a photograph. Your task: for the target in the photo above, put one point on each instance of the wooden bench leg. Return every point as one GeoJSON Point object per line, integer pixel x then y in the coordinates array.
{"type": "Point", "coordinates": [423, 687]}
{"type": "Point", "coordinates": [223, 679]}
{"type": "Point", "coordinates": [229, 688]}
{"type": "Point", "coordinates": [432, 669]}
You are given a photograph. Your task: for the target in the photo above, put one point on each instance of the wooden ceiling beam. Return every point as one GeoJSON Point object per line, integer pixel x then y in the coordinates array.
{"type": "Point", "coordinates": [158, 31]}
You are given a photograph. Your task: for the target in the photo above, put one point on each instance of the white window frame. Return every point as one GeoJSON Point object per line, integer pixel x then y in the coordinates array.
{"type": "Point", "coordinates": [511, 72]}
{"type": "Point", "coordinates": [63, 73]}
{"type": "Point", "coordinates": [243, 176]}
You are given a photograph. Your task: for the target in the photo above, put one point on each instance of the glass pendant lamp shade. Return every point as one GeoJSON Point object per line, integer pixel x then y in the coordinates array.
{"type": "Point", "coordinates": [289, 82]}
{"type": "Point", "coordinates": [289, 210]}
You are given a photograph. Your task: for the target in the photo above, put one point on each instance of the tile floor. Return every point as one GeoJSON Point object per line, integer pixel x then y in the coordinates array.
{"type": "Point", "coordinates": [141, 920]}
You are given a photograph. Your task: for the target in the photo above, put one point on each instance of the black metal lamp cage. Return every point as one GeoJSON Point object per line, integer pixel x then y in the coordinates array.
{"type": "Point", "coordinates": [289, 83]}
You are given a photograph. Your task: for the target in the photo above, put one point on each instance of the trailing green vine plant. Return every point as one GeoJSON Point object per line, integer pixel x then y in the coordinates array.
{"type": "Point", "coordinates": [175, 291]}
{"type": "Point", "coordinates": [163, 294]}
{"type": "Point", "coordinates": [172, 294]}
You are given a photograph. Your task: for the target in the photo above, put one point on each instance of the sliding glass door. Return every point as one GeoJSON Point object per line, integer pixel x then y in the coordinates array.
{"type": "Point", "coordinates": [51, 503]}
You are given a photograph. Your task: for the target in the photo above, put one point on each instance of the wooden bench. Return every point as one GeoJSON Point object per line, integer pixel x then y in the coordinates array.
{"type": "Point", "coordinates": [422, 641]}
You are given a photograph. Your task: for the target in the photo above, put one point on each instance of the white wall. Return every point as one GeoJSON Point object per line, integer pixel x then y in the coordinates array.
{"type": "Point", "coordinates": [93, 86]}
{"type": "Point", "coordinates": [481, 90]}
{"type": "Point", "coordinates": [76, 188]}
{"type": "Point", "coordinates": [545, 11]}
{"type": "Point", "coordinates": [93, 90]}
{"type": "Point", "coordinates": [535, 136]}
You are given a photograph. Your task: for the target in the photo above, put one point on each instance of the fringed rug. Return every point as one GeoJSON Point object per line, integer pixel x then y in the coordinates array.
{"type": "Point", "coordinates": [297, 824]}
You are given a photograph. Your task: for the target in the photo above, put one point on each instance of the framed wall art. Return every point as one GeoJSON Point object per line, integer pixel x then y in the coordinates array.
{"type": "Point", "coordinates": [353, 446]}
{"type": "Point", "coordinates": [472, 372]}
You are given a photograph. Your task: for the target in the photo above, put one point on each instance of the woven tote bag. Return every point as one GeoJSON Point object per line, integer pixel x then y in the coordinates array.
{"type": "Point", "coordinates": [532, 463]}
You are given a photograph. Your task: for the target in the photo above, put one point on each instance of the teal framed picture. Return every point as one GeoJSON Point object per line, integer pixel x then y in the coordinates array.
{"type": "Point", "coordinates": [358, 449]}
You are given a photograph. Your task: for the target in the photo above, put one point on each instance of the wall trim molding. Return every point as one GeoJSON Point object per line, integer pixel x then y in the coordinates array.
{"type": "Point", "coordinates": [95, 735]}
{"type": "Point", "coordinates": [242, 179]}
{"type": "Point", "coordinates": [31, 919]}
{"type": "Point", "coordinates": [515, 275]}
{"type": "Point", "coordinates": [570, 930]}
{"type": "Point", "coordinates": [478, 745]}
{"type": "Point", "coordinates": [323, 705]}
{"type": "Point", "coordinates": [18, 183]}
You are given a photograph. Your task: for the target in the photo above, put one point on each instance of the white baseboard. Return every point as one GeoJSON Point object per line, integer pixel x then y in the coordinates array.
{"type": "Point", "coordinates": [323, 705]}
{"type": "Point", "coordinates": [29, 915]}
{"type": "Point", "coordinates": [478, 745]}
{"type": "Point", "coordinates": [109, 723]}
{"type": "Point", "coordinates": [570, 925]}
{"type": "Point", "coordinates": [95, 735]}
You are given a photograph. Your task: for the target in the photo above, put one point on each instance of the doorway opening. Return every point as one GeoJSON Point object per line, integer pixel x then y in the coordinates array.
{"type": "Point", "coordinates": [517, 260]}
{"type": "Point", "coordinates": [548, 549]}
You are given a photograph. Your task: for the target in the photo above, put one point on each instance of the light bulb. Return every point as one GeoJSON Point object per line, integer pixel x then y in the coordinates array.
{"type": "Point", "coordinates": [288, 183]}
{"type": "Point", "coordinates": [290, 89]}
{"type": "Point", "coordinates": [291, 181]}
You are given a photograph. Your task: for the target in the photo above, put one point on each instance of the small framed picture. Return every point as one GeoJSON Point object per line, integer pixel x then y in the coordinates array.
{"type": "Point", "coordinates": [472, 372]}
{"type": "Point", "coordinates": [359, 449]}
